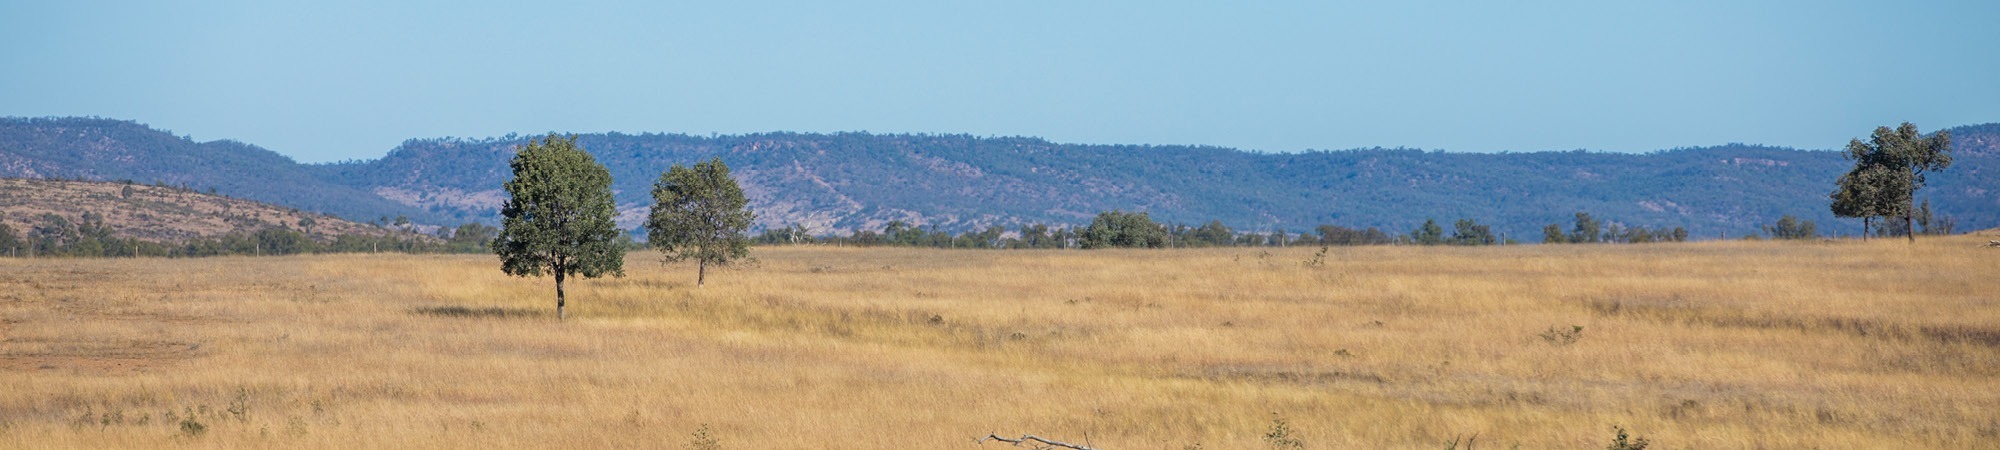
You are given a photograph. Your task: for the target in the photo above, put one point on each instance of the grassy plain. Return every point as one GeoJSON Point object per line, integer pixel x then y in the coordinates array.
{"type": "Point", "coordinates": [1702, 345]}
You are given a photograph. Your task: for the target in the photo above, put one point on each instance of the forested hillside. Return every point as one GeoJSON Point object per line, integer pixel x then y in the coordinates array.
{"type": "Point", "coordinates": [846, 181]}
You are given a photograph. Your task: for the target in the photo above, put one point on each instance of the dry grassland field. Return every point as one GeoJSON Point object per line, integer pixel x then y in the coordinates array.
{"type": "Point", "coordinates": [1844, 344]}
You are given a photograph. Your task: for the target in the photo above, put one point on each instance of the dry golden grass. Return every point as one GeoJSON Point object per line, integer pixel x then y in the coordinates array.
{"type": "Point", "coordinates": [1703, 345]}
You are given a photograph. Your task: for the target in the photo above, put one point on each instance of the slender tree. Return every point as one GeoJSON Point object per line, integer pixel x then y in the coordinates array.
{"type": "Point", "coordinates": [557, 218]}
{"type": "Point", "coordinates": [699, 213]}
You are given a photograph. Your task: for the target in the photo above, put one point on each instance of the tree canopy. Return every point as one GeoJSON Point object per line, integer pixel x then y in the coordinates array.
{"type": "Point", "coordinates": [557, 217]}
{"type": "Point", "coordinates": [1888, 171]}
{"type": "Point", "coordinates": [699, 213]}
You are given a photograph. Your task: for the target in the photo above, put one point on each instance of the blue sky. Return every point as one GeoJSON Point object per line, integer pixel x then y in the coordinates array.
{"type": "Point", "coordinates": [341, 80]}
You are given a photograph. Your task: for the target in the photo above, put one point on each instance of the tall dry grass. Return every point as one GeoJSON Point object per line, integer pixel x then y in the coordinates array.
{"type": "Point", "coordinates": [1706, 345]}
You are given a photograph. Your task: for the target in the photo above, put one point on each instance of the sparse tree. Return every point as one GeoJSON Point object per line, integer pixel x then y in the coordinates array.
{"type": "Point", "coordinates": [557, 218]}
{"type": "Point", "coordinates": [699, 213]}
{"type": "Point", "coordinates": [1793, 228]}
{"type": "Point", "coordinates": [1586, 231]}
{"type": "Point", "coordinates": [1888, 171]}
{"type": "Point", "coordinates": [1553, 234]}
{"type": "Point", "coordinates": [1469, 232]}
{"type": "Point", "coordinates": [1428, 234]}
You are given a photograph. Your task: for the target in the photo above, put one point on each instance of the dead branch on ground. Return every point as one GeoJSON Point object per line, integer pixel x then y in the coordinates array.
{"type": "Point", "coordinates": [1037, 442]}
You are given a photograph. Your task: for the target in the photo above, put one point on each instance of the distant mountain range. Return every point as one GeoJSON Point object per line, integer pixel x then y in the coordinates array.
{"type": "Point", "coordinates": [846, 181]}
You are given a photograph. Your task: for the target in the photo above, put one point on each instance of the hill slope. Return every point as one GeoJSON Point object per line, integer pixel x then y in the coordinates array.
{"type": "Point", "coordinates": [158, 213]}
{"type": "Point", "coordinates": [845, 181]}
{"type": "Point", "coordinates": [101, 149]}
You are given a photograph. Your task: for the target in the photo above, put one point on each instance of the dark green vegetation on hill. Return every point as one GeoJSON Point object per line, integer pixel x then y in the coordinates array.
{"type": "Point", "coordinates": [841, 182]}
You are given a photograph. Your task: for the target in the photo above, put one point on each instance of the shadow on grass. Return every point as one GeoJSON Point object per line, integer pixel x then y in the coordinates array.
{"type": "Point", "coordinates": [475, 313]}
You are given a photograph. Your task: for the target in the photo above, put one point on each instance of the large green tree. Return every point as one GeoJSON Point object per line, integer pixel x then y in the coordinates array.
{"type": "Point", "coordinates": [557, 217]}
{"type": "Point", "coordinates": [699, 213]}
{"type": "Point", "coordinates": [1888, 171]}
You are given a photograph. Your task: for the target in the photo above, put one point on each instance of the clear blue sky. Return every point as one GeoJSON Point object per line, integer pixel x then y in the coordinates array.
{"type": "Point", "coordinates": [339, 80]}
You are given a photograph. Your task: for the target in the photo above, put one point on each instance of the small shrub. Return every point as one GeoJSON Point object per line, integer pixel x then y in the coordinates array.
{"type": "Point", "coordinates": [1562, 337]}
{"type": "Point", "coordinates": [1318, 259]}
{"type": "Point", "coordinates": [240, 406]}
{"type": "Point", "coordinates": [296, 426]}
{"type": "Point", "coordinates": [1621, 443]}
{"type": "Point", "coordinates": [1280, 436]}
{"type": "Point", "coordinates": [89, 417]}
{"type": "Point", "coordinates": [704, 440]}
{"type": "Point", "coordinates": [191, 427]}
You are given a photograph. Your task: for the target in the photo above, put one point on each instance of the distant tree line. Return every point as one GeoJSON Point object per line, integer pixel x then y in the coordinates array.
{"type": "Point", "coordinates": [1927, 223]}
{"type": "Point", "coordinates": [1589, 230]}
{"type": "Point", "coordinates": [53, 235]}
{"type": "Point", "coordinates": [1120, 229]}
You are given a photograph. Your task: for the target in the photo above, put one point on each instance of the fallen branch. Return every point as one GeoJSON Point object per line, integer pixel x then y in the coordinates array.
{"type": "Point", "coordinates": [1030, 439]}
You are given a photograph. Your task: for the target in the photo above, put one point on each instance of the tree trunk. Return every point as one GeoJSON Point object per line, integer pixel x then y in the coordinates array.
{"type": "Point", "coordinates": [559, 295]}
{"type": "Point", "coordinates": [1864, 228]}
{"type": "Point", "coordinates": [700, 272]}
{"type": "Point", "coordinates": [1910, 226]}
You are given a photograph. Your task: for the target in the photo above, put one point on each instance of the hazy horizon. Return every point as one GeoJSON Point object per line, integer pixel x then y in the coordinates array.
{"type": "Point", "coordinates": [328, 83]}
